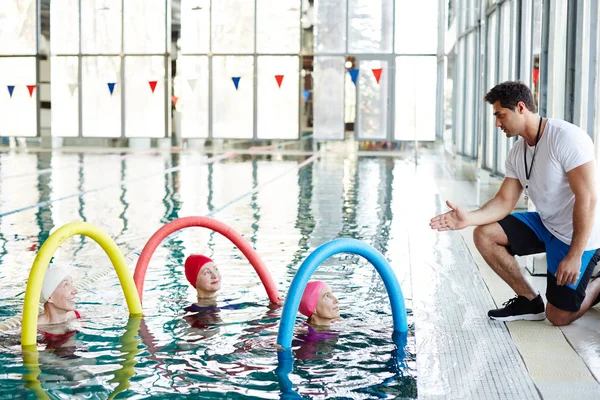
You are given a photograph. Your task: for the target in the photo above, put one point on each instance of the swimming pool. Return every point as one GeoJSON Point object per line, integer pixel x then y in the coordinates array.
{"type": "Point", "coordinates": [284, 208]}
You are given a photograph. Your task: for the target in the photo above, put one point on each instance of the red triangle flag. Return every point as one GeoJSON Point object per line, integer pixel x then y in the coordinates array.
{"type": "Point", "coordinates": [377, 73]}
{"type": "Point", "coordinates": [279, 79]}
{"type": "Point", "coordinates": [152, 85]}
{"type": "Point", "coordinates": [30, 88]}
{"type": "Point", "coordinates": [174, 98]}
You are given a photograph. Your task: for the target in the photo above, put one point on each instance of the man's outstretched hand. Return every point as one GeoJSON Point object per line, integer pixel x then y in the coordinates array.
{"type": "Point", "coordinates": [452, 220]}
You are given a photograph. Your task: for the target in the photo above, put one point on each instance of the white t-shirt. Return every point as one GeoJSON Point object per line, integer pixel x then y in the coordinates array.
{"type": "Point", "coordinates": [562, 147]}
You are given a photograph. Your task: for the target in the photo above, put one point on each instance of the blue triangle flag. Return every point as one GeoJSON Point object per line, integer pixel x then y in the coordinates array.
{"type": "Point", "coordinates": [111, 87]}
{"type": "Point", "coordinates": [353, 74]}
{"type": "Point", "coordinates": [11, 88]}
{"type": "Point", "coordinates": [306, 92]}
{"type": "Point", "coordinates": [236, 81]}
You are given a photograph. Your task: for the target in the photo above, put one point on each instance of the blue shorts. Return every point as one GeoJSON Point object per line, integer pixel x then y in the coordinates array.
{"type": "Point", "coordinates": [527, 235]}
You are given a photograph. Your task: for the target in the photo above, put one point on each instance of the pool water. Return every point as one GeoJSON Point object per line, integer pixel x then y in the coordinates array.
{"type": "Point", "coordinates": [283, 208]}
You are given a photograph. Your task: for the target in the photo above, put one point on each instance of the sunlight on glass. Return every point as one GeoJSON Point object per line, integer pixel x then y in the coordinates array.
{"type": "Point", "coordinates": [278, 26]}
{"type": "Point", "coordinates": [64, 26]}
{"type": "Point", "coordinates": [101, 113]}
{"type": "Point", "coordinates": [416, 26]}
{"type": "Point", "coordinates": [232, 26]}
{"type": "Point", "coordinates": [101, 26]}
{"type": "Point", "coordinates": [65, 96]}
{"type": "Point", "coordinates": [415, 98]}
{"type": "Point", "coordinates": [18, 27]}
{"type": "Point", "coordinates": [372, 100]}
{"type": "Point", "coordinates": [370, 26]}
{"type": "Point", "coordinates": [328, 97]}
{"type": "Point", "coordinates": [233, 109]}
{"type": "Point", "coordinates": [17, 113]}
{"type": "Point", "coordinates": [144, 109]}
{"type": "Point", "coordinates": [191, 89]}
{"type": "Point", "coordinates": [278, 107]}
{"type": "Point", "coordinates": [195, 26]}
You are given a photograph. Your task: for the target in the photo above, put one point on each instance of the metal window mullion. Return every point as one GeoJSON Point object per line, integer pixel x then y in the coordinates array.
{"type": "Point", "coordinates": [80, 78]}
{"type": "Point", "coordinates": [167, 69]}
{"type": "Point", "coordinates": [255, 77]}
{"type": "Point", "coordinates": [38, 32]}
{"type": "Point", "coordinates": [210, 68]}
{"type": "Point", "coordinates": [122, 59]}
{"type": "Point", "coordinates": [392, 80]}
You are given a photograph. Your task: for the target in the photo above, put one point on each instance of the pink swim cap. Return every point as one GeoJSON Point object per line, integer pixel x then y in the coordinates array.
{"type": "Point", "coordinates": [310, 298]}
{"type": "Point", "coordinates": [193, 264]}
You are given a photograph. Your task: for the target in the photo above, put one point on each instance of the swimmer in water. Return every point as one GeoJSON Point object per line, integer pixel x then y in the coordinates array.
{"type": "Point", "coordinates": [58, 297]}
{"type": "Point", "coordinates": [202, 273]}
{"type": "Point", "coordinates": [319, 304]}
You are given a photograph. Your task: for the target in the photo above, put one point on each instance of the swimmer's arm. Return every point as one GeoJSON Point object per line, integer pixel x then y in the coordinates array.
{"type": "Point", "coordinates": [502, 204]}
{"type": "Point", "coordinates": [582, 181]}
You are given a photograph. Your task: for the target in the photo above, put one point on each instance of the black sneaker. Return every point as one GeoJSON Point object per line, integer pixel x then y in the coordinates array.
{"type": "Point", "coordinates": [520, 308]}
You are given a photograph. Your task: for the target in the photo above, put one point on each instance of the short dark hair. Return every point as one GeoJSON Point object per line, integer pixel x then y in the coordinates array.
{"type": "Point", "coordinates": [510, 93]}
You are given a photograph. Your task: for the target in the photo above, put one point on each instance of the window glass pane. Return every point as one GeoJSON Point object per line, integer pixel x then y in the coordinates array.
{"type": "Point", "coordinates": [372, 100]}
{"type": "Point", "coordinates": [370, 29]}
{"type": "Point", "coordinates": [330, 26]}
{"type": "Point", "coordinates": [278, 106]}
{"type": "Point", "coordinates": [232, 26]}
{"type": "Point", "coordinates": [233, 109]}
{"type": "Point", "coordinates": [101, 110]}
{"type": "Point", "coordinates": [65, 96]}
{"type": "Point", "coordinates": [145, 28]}
{"type": "Point", "coordinates": [17, 112]}
{"type": "Point", "coordinates": [64, 26]}
{"type": "Point", "coordinates": [416, 80]}
{"type": "Point", "coordinates": [101, 26]}
{"type": "Point", "coordinates": [328, 97]}
{"type": "Point", "coordinates": [191, 88]}
{"type": "Point", "coordinates": [469, 87]}
{"type": "Point", "coordinates": [416, 19]}
{"type": "Point", "coordinates": [195, 26]}
{"type": "Point", "coordinates": [17, 27]}
{"type": "Point", "coordinates": [459, 129]}
{"type": "Point", "coordinates": [492, 45]}
{"type": "Point", "coordinates": [278, 26]}
{"type": "Point", "coordinates": [557, 59]}
{"type": "Point", "coordinates": [145, 109]}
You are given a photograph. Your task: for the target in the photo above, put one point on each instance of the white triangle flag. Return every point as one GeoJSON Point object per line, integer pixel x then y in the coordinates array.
{"type": "Point", "coordinates": [192, 83]}
{"type": "Point", "coordinates": [73, 87]}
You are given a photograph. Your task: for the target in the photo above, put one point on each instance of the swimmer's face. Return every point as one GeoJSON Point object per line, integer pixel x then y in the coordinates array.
{"type": "Point", "coordinates": [208, 280]}
{"type": "Point", "coordinates": [327, 306]}
{"type": "Point", "coordinates": [63, 296]}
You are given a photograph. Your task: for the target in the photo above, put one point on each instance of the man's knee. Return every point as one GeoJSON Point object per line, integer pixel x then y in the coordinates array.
{"type": "Point", "coordinates": [558, 317]}
{"type": "Point", "coordinates": [488, 234]}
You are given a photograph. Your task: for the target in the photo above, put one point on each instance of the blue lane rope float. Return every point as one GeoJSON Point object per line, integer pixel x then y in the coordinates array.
{"type": "Point", "coordinates": [312, 262]}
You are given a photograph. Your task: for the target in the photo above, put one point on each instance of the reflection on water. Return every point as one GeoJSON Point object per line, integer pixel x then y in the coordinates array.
{"type": "Point", "coordinates": [231, 349]}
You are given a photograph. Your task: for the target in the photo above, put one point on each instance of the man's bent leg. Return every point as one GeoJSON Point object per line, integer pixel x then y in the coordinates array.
{"type": "Point", "coordinates": [492, 242]}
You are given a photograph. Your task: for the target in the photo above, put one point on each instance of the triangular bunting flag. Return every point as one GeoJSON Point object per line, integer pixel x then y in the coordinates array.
{"type": "Point", "coordinates": [377, 73]}
{"type": "Point", "coordinates": [279, 79]}
{"type": "Point", "coordinates": [192, 83]}
{"type": "Point", "coordinates": [30, 88]}
{"type": "Point", "coordinates": [353, 74]}
{"type": "Point", "coordinates": [11, 88]}
{"type": "Point", "coordinates": [174, 98]}
{"type": "Point", "coordinates": [152, 85]}
{"type": "Point", "coordinates": [111, 87]}
{"type": "Point", "coordinates": [236, 81]}
{"type": "Point", "coordinates": [306, 92]}
{"type": "Point", "coordinates": [73, 88]}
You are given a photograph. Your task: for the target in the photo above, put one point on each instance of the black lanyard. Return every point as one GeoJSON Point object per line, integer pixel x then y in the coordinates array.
{"type": "Point", "coordinates": [537, 139]}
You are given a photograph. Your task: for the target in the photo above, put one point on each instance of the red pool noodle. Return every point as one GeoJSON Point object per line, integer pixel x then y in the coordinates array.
{"type": "Point", "coordinates": [204, 222]}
